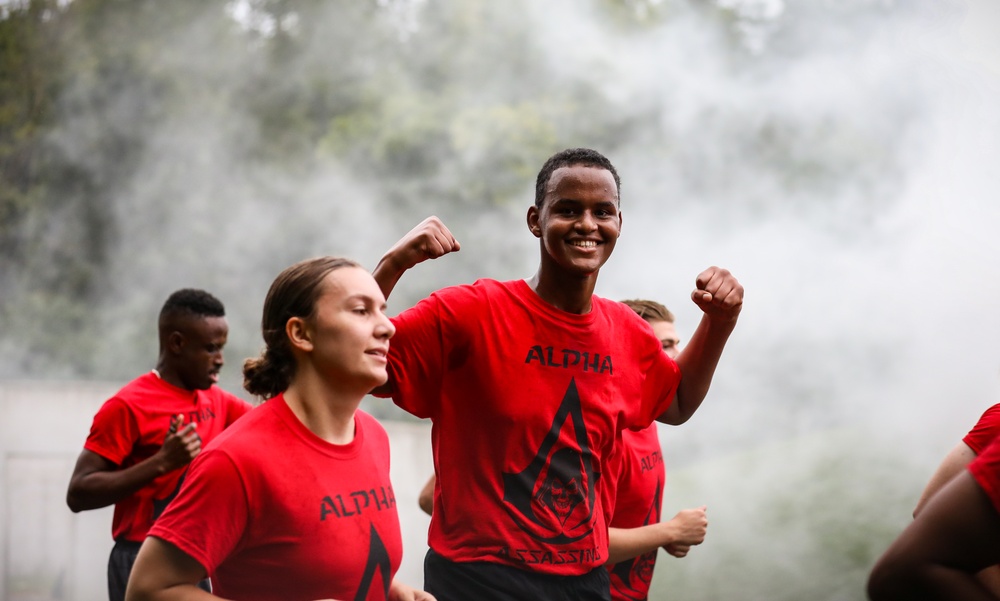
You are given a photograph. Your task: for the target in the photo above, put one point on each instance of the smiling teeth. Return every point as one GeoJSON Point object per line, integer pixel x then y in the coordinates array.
{"type": "Point", "coordinates": [585, 243]}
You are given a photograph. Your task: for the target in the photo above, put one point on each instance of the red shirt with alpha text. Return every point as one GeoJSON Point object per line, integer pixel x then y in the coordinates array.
{"type": "Point", "coordinates": [526, 402]}
{"type": "Point", "coordinates": [131, 426]}
{"type": "Point", "coordinates": [275, 513]}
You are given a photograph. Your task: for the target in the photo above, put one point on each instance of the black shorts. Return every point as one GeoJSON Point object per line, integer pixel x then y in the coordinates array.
{"type": "Point", "coordinates": [120, 564]}
{"type": "Point", "coordinates": [488, 581]}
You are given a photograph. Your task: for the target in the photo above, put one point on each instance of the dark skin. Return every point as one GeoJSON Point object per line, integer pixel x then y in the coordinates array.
{"type": "Point", "coordinates": [577, 226]}
{"type": "Point", "coordinates": [938, 555]}
{"type": "Point", "coordinates": [97, 482]}
{"type": "Point", "coordinates": [190, 358]}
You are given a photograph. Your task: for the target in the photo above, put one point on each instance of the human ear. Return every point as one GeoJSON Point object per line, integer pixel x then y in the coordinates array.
{"type": "Point", "coordinates": [175, 342]}
{"type": "Point", "coordinates": [299, 334]}
{"type": "Point", "coordinates": [532, 219]}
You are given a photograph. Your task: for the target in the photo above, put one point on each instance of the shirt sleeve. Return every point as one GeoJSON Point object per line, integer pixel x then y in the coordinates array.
{"type": "Point", "coordinates": [984, 431]}
{"type": "Point", "coordinates": [429, 336]}
{"type": "Point", "coordinates": [659, 384]}
{"type": "Point", "coordinates": [113, 432]}
{"type": "Point", "coordinates": [209, 515]}
{"type": "Point", "coordinates": [985, 468]}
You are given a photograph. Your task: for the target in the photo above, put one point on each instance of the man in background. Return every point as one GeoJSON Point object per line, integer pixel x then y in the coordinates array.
{"type": "Point", "coordinates": [143, 437]}
{"type": "Point", "coordinates": [636, 532]}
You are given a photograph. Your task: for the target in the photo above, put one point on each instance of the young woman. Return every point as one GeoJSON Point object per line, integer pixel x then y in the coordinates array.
{"type": "Point", "coordinates": [294, 501]}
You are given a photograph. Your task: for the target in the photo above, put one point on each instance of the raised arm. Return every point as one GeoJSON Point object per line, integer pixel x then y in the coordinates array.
{"type": "Point", "coordinates": [676, 535]}
{"type": "Point", "coordinates": [97, 482]}
{"type": "Point", "coordinates": [720, 297]}
{"type": "Point", "coordinates": [430, 239]}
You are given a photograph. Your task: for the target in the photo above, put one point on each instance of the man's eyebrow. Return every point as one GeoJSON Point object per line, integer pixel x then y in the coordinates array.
{"type": "Point", "coordinates": [575, 201]}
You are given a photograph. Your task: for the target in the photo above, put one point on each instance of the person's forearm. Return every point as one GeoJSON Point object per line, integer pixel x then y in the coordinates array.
{"type": "Point", "coordinates": [626, 543]}
{"type": "Point", "coordinates": [103, 488]}
{"type": "Point", "coordinates": [387, 274]}
{"type": "Point", "coordinates": [697, 363]}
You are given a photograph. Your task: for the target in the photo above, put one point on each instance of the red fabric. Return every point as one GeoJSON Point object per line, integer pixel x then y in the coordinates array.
{"type": "Point", "coordinates": [984, 431]}
{"type": "Point", "coordinates": [637, 503]}
{"type": "Point", "coordinates": [130, 427]}
{"type": "Point", "coordinates": [526, 402]}
{"type": "Point", "coordinates": [273, 512]}
{"type": "Point", "coordinates": [985, 468]}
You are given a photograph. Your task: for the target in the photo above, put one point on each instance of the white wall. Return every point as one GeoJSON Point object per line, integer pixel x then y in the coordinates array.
{"type": "Point", "coordinates": [49, 553]}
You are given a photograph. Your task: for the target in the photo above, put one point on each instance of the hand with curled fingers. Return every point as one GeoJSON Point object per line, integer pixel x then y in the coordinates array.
{"type": "Point", "coordinates": [688, 527]}
{"type": "Point", "coordinates": [718, 294]}
{"type": "Point", "coordinates": [181, 445]}
{"type": "Point", "coordinates": [430, 239]}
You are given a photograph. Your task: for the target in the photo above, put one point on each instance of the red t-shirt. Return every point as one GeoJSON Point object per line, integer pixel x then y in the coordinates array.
{"type": "Point", "coordinates": [273, 512]}
{"type": "Point", "coordinates": [526, 402]}
{"type": "Point", "coordinates": [984, 431]}
{"type": "Point", "coordinates": [130, 427]}
{"type": "Point", "coordinates": [637, 503]}
{"type": "Point", "coordinates": [985, 468]}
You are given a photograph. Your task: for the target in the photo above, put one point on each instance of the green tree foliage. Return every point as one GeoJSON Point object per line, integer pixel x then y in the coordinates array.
{"type": "Point", "coordinates": [143, 135]}
{"type": "Point", "coordinates": [448, 101]}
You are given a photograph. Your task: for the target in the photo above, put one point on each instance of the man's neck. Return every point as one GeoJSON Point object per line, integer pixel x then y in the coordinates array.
{"type": "Point", "coordinates": [569, 294]}
{"type": "Point", "coordinates": [168, 375]}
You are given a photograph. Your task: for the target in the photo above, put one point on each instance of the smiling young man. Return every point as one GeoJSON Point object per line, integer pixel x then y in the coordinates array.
{"type": "Point", "coordinates": [143, 437]}
{"type": "Point", "coordinates": [529, 384]}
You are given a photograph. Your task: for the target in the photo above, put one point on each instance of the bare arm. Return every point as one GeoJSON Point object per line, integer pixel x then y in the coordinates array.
{"type": "Point", "coordinates": [720, 296]}
{"type": "Point", "coordinates": [426, 498]}
{"type": "Point", "coordinates": [939, 553]}
{"type": "Point", "coordinates": [430, 239]}
{"type": "Point", "coordinates": [97, 482]}
{"type": "Point", "coordinates": [952, 464]}
{"type": "Point", "coordinates": [680, 533]}
{"type": "Point", "coordinates": [162, 572]}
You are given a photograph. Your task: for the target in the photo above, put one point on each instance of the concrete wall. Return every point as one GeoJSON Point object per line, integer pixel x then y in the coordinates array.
{"type": "Point", "coordinates": [49, 553]}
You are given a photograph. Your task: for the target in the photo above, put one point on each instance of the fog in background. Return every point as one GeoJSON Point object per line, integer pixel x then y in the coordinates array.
{"type": "Point", "coordinates": [839, 157]}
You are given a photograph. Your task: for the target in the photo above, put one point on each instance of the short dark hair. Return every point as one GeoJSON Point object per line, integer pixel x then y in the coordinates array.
{"type": "Point", "coordinates": [567, 158]}
{"type": "Point", "coordinates": [192, 301]}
